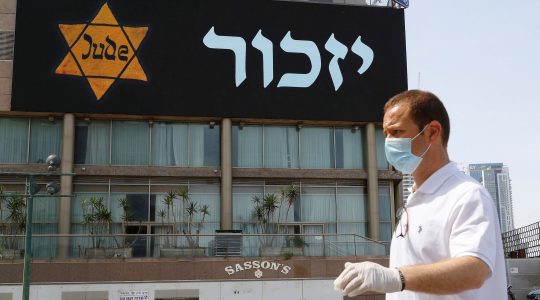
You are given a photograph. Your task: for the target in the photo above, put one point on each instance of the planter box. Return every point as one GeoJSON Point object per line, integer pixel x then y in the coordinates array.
{"type": "Point", "coordinates": [280, 251]}
{"type": "Point", "coordinates": [182, 252]}
{"type": "Point", "coordinates": [11, 253]}
{"type": "Point", "coordinates": [108, 252]}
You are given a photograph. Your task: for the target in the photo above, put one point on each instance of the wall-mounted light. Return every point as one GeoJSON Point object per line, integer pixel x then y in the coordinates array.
{"type": "Point", "coordinates": [33, 188]}
{"type": "Point", "coordinates": [53, 162]}
{"type": "Point", "coordinates": [242, 124]}
{"type": "Point", "coordinates": [51, 119]}
{"type": "Point", "coordinates": [299, 126]}
{"type": "Point", "coordinates": [151, 123]}
{"type": "Point", "coordinates": [52, 188]}
{"type": "Point", "coordinates": [87, 119]}
{"type": "Point", "coordinates": [212, 124]}
{"type": "Point", "coordinates": [355, 128]}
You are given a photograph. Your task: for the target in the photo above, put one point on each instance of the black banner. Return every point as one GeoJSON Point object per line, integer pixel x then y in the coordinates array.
{"type": "Point", "coordinates": [208, 58]}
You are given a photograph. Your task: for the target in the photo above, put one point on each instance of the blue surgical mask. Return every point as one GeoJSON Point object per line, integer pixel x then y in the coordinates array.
{"type": "Point", "coordinates": [399, 153]}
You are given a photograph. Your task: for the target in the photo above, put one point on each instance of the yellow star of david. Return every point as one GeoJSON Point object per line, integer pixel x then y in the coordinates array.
{"type": "Point", "coordinates": [102, 51]}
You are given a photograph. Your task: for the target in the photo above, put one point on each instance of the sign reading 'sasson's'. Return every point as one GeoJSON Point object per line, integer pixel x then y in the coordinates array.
{"type": "Point", "coordinates": [208, 58]}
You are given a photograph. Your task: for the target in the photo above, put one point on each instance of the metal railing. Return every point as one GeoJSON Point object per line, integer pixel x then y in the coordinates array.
{"type": "Point", "coordinates": [379, 3]}
{"type": "Point", "coordinates": [125, 246]}
{"type": "Point", "coordinates": [523, 242]}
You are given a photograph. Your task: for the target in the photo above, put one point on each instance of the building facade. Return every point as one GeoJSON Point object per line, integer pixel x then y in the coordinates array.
{"type": "Point", "coordinates": [151, 158]}
{"type": "Point", "coordinates": [495, 178]}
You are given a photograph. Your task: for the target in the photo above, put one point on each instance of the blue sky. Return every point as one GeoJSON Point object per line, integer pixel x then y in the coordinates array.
{"type": "Point", "coordinates": [482, 58]}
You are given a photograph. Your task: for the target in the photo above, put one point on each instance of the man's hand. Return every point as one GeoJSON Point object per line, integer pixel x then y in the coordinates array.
{"type": "Point", "coordinates": [359, 278]}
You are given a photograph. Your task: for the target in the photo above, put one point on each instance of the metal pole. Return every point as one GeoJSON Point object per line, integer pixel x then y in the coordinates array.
{"type": "Point", "coordinates": [28, 240]}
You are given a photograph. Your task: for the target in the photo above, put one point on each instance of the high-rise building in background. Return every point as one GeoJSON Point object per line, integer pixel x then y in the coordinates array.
{"type": "Point", "coordinates": [496, 179]}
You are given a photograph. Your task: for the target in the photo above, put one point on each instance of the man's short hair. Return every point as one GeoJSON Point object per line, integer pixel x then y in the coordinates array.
{"type": "Point", "coordinates": [424, 107]}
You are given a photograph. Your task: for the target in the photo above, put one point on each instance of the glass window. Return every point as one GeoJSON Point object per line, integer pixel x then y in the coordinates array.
{"type": "Point", "coordinates": [280, 147]}
{"type": "Point", "coordinates": [352, 210]}
{"type": "Point", "coordinates": [206, 195]}
{"type": "Point", "coordinates": [45, 139]}
{"type": "Point", "coordinates": [139, 208]}
{"type": "Point", "coordinates": [349, 151]}
{"type": "Point", "coordinates": [247, 146]}
{"type": "Point", "coordinates": [382, 163]}
{"type": "Point", "coordinates": [385, 212]}
{"type": "Point", "coordinates": [287, 212]}
{"type": "Point", "coordinates": [243, 217]}
{"type": "Point", "coordinates": [243, 203]}
{"type": "Point", "coordinates": [13, 140]}
{"type": "Point", "coordinates": [204, 144]}
{"type": "Point", "coordinates": [92, 143]}
{"type": "Point", "coordinates": [318, 205]}
{"type": "Point", "coordinates": [316, 148]}
{"type": "Point", "coordinates": [129, 143]}
{"type": "Point", "coordinates": [169, 144]}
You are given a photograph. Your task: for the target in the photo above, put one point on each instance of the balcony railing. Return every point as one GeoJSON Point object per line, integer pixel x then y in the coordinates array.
{"type": "Point", "coordinates": [384, 3]}
{"type": "Point", "coordinates": [85, 246]}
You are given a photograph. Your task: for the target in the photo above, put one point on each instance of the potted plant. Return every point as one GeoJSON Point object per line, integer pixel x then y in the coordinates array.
{"type": "Point", "coordinates": [125, 246]}
{"type": "Point", "coordinates": [187, 226]}
{"type": "Point", "coordinates": [97, 219]}
{"type": "Point", "coordinates": [264, 216]}
{"type": "Point", "coordinates": [12, 223]}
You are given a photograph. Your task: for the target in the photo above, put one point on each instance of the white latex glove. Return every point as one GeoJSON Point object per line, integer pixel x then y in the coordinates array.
{"type": "Point", "coordinates": [359, 278]}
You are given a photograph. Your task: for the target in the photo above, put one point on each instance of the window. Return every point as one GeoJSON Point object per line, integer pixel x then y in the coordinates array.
{"type": "Point", "coordinates": [349, 151]}
{"type": "Point", "coordinates": [45, 139]}
{"type": "Point", "coordinates": [385, 212]}
{"type": "Point", "coordinates": [247, 146]}
{"type": "Point", "coordinates": [138, 143]}
{"type": "Point", "coordinates": [320, 208]}
{"type": "Point", "coordinates": [92, 142]}
{"type": "Point", "coordinates": [289, 147]}
{"type": "Point", "coordinates": [316, 148]}
{"type": "Point", "coordinates": [13, 140]}
{"type": "Point", "coordinates": [280, 147]}
{"type": "Point", "coordinates": [352, 207]}
{"type": "Point", "coordinates": [7, 41]}
{"type": "Point", "coordinates": [204, 142]}
{"type": "Point", "coordinates": [145, 199]}
{"type": "Point", "coordinates": [169, 144]}
{"type": "Point", "coordinates": [382, 163]}
{"type": "Point", "coordinates": [130, 140]}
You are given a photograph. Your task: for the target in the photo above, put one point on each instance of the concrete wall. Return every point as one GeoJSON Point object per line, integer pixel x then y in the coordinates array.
{"type": "Point", "coordinates": [523, 275]}
{"type": "Point", "coordinates": [232, 290]}
{"type": "Point", "coordinates": [7, 23]}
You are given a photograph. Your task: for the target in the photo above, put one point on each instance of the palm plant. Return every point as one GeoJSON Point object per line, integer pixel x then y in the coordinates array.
{"type": "Point", "coordinates": [204, 211]}
{"type": "Point", "coordinates": [16, 207]}
{"type": "Point", "coordinates": [289, 193]}
{"type": "Point", "coordinates": [14, 221]}
{"type": "Point", "coordinates": [183, 194]}
{"type": "Point", "coordinates": [127, 216]}
{"type": "Point", "coordinates": [168, 201]}
{"type": "Point", "coordinates": [162, 214]}
{"type": "Point", "coordinates": [97, 218]}
{"type": "Point", "coordinates": [263, 213]}
{"type": "Point", "coordinates": [189, 210]}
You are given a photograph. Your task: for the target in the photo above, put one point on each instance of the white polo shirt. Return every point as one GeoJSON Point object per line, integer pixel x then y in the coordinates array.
{"type": "Point", "coordinates": [451, 215]}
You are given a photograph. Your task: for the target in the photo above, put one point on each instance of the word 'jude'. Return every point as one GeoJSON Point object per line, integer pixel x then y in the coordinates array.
{"type": "Point", "coordinates": [109, 52]}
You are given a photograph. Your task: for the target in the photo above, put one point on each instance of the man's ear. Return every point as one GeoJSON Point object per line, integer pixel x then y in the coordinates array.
{"type": "Point", "coordinates": [435, 131]}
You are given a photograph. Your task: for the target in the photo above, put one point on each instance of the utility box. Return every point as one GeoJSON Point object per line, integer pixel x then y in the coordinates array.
{"type": "Point", "coordinates": [228, 243]}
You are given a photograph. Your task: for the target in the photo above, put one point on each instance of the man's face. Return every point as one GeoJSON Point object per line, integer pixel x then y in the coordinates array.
{"type": "Point", "coordinates": [397, 123]}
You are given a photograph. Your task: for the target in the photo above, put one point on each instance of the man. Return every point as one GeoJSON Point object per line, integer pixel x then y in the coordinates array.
{"type": "Point", "coordinates": [447, 243]}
